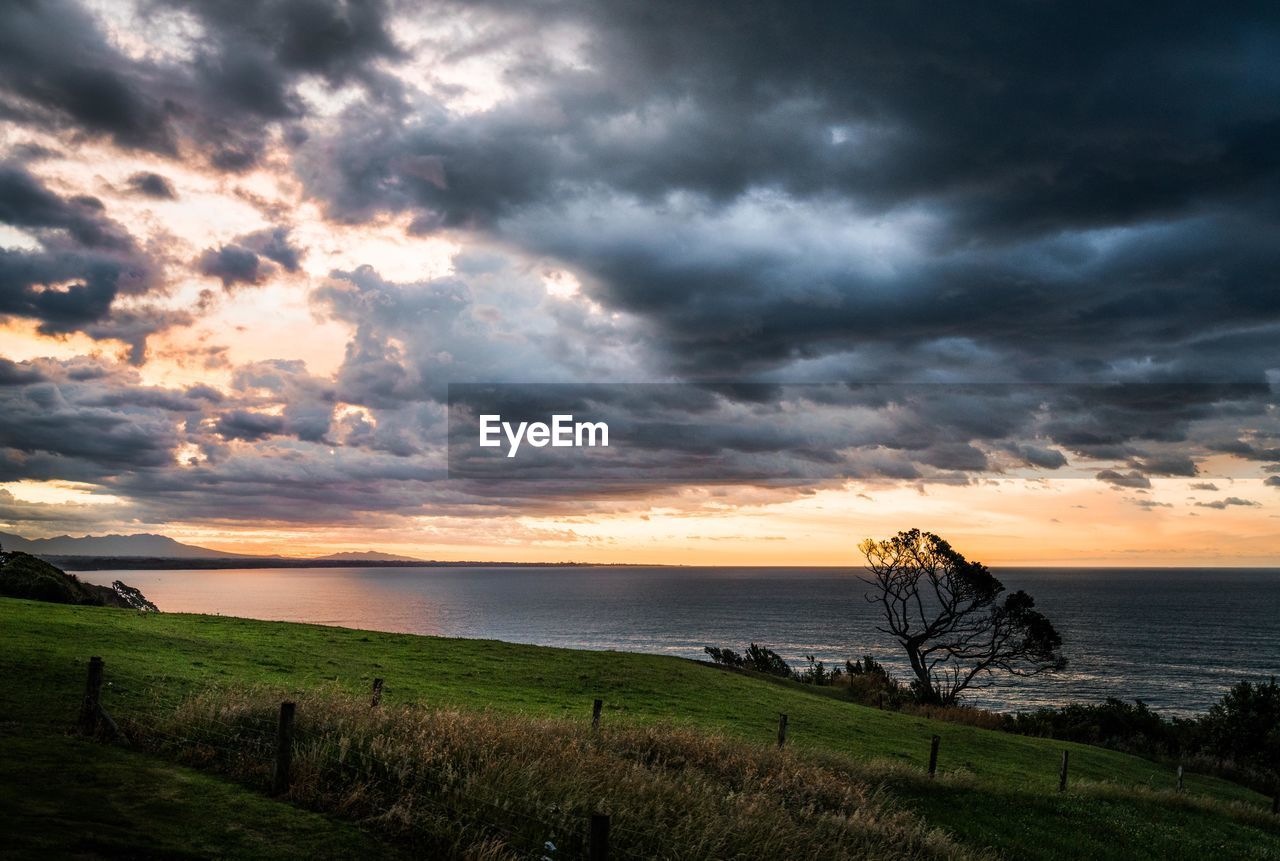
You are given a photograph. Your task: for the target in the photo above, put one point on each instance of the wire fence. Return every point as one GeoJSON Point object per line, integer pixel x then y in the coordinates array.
{"type": "Point", "coordinates": [252, 745]}
{"type": "Point", "coordinates": [261, 748]}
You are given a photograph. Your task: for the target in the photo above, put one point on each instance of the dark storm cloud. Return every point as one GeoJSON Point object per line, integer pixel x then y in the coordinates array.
{"type": "Point", "coordinates": [1045, 458]}
{"type": "Point", "coordinates": [145, 397]}
{"type": "Point", "coordinates": [40, 420]}
{"type": "Point", "coordinates": [233, 264]}
{"type": "Point", "coordinates": [57, 71]}
{"type": "Point", "coordinates": [245, 74]}
{"type": "Point", "coordinates": [18, 373]}
{"type": "Point", "coordinates": [1133, 479]}
{"type": "Point", "coordinates": [84, 261]}
{"type": "Point", "coordinates": [1246, 450]}
{"type": "Point", "coordinates": [90, 420]}
{"type": "Point", "coordinates": [25, 202]}
{"type": "Point", "coordinates": [93, 420]}
{"type": "Point", "coordinates": [249, 258]}
{"type": "Point", "coordinates": [1072, 196]}
{"type": "Point", "coordinates": [934, 432]}
{"type": "Point", "coordinates": [276, 245]}
{"type": "Point", "coordinates": [152, 185]}
{"type": "Point", "coordinates": [1177, 464]}
{"type": "Point", "coordinates": [249, 426]}
{"type": "Point", "coordinates": [336, 39]}
{"type": "Point", "coordinates": [60, 71]}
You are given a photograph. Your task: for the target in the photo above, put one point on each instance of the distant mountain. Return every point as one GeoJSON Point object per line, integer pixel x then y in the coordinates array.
{"type": "Point", "coordinates": [110, 545]}
{"type": "Point", "coordinates": [367, 556]}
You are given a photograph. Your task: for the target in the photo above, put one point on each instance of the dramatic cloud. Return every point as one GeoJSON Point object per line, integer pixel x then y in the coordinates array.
{"type": "Point", "coordinates": [83, 261]}
{"type": "Point", "coordinates": [885, 244]}
{"type": "Point", "coordinates": [58, 71]}
{"type": "Point", "coordinates": [152, 185]}
{"type": "Point", "coordinates": [762, 196]}
{"type": "Point", "coordinates": [1133, 479]}
{"type": "Point", "coordinates": [249, 259]}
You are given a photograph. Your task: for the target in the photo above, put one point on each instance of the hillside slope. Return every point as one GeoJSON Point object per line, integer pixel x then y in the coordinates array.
{"type": "Point", "coordinates": [24, 576]}
{"type": "Point", "coordinates": [994, 790]}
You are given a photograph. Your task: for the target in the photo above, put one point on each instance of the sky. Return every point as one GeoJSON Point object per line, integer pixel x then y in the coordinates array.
{"type": "Point", "coordinates": [1007, 273]}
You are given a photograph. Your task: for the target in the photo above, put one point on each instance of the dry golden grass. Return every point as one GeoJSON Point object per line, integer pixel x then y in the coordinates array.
{"type": "Point", "coordinates": [478, 785]}
{"type": "Point", "coordinates": [966, 715]}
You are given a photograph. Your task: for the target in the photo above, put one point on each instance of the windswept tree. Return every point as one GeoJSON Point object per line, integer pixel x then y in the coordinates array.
{"type": "Point", "coordinates": [949, 615]}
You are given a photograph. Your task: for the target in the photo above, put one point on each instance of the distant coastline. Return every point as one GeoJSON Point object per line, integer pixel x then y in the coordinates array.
{"type": "Point", "coordinates": [153, 563]}
{"type": "Point", "coordinates": [69, 562]}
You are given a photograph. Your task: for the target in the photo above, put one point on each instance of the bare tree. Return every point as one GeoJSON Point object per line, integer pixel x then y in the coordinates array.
{"type": "Point", "coordinates": [946, 613]}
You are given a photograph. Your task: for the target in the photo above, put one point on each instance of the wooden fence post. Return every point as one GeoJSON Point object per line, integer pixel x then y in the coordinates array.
{"type": "Point", "coordinates": [377, 694]}
{"type": "Point", "coordinates": [1179, 778]}
{"type": "Point", "coordinates": [782, 729]}
{"type": "Point", "coordinates": [598, 837]}
{"type": "Point", "coordinates": [284, 749]}
{"type": "Point", "coordinates": [91, 706]}
{"type": "Point", "coordinates": [596, 706]}
{"type": "Point", "coordinates": [1062, 773]}
{"type": "Point", "coordinates": [933, 755]}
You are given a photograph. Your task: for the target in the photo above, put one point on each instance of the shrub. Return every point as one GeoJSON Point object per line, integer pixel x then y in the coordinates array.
{"type": "Point", "coordinates": [1113, 723]}
{"type": "Point", "coordinates": [724, 657]}
{"type": "Point", "coordinates": [869, 683]}
{"type": "Point", "coordinates": [767, 661]}
{"type": "Point", "coordinates": [816, 673]}
{"type": "Point", "coordinates": [1239, 738]}
{"type": "Point", "coordinates": [756, 658]}
{"type": "Point", "coordinates": [1244, 726]}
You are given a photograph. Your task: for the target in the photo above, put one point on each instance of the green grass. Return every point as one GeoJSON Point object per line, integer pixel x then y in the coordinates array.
{"type": "Point", "coordinates": [62, 796]}
{"type": "Point", "coordinates": [997, 790]}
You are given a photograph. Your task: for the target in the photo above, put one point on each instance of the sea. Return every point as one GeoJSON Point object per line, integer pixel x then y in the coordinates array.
{"type": "Point", "coordinates": [1173, 638]}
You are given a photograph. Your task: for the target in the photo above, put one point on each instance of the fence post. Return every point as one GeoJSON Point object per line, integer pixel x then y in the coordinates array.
{"type": "Point", "coordinates": [782, 729]}
{"type": "Point", "coordinates": [596, 706]}
{"type": "Point", "coordinates": [933, 755]}
{"type": "Point", "coordinates": [1062, 773]}
{"type": "Point", "coordinates": [598, 838]}
{"type": "Point", "coordinates": [1179, 778]}
{"type": "Point", "coordinates": [284, 749]}
{"type": "Point", "coordinates": [91, 706]}
{"type": "Point", "coordinates": [377, 694]}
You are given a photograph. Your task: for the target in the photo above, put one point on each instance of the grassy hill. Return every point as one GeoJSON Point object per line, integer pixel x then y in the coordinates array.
{"type": "Point", "coordinates": [995, 791]}
{"type": "Point", "coordinates": [24, 576]}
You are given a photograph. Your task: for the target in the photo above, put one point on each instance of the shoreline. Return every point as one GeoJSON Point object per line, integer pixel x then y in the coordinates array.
{"type": "Point", "coordinates": [160, 563]}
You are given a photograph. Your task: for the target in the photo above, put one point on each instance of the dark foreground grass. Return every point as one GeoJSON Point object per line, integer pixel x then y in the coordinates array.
{"type": "Point", "coordinates": [995, 790]}
{"type": "Point", "coordinates": [65, 797]}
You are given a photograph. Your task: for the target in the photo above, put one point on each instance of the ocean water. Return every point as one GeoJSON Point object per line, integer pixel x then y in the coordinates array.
{"type": "Point", "coordinates": [1175, 638]}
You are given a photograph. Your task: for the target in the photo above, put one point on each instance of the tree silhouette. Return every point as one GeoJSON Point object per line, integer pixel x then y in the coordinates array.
{"type": "Point", "coordinates": [946, 613]}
